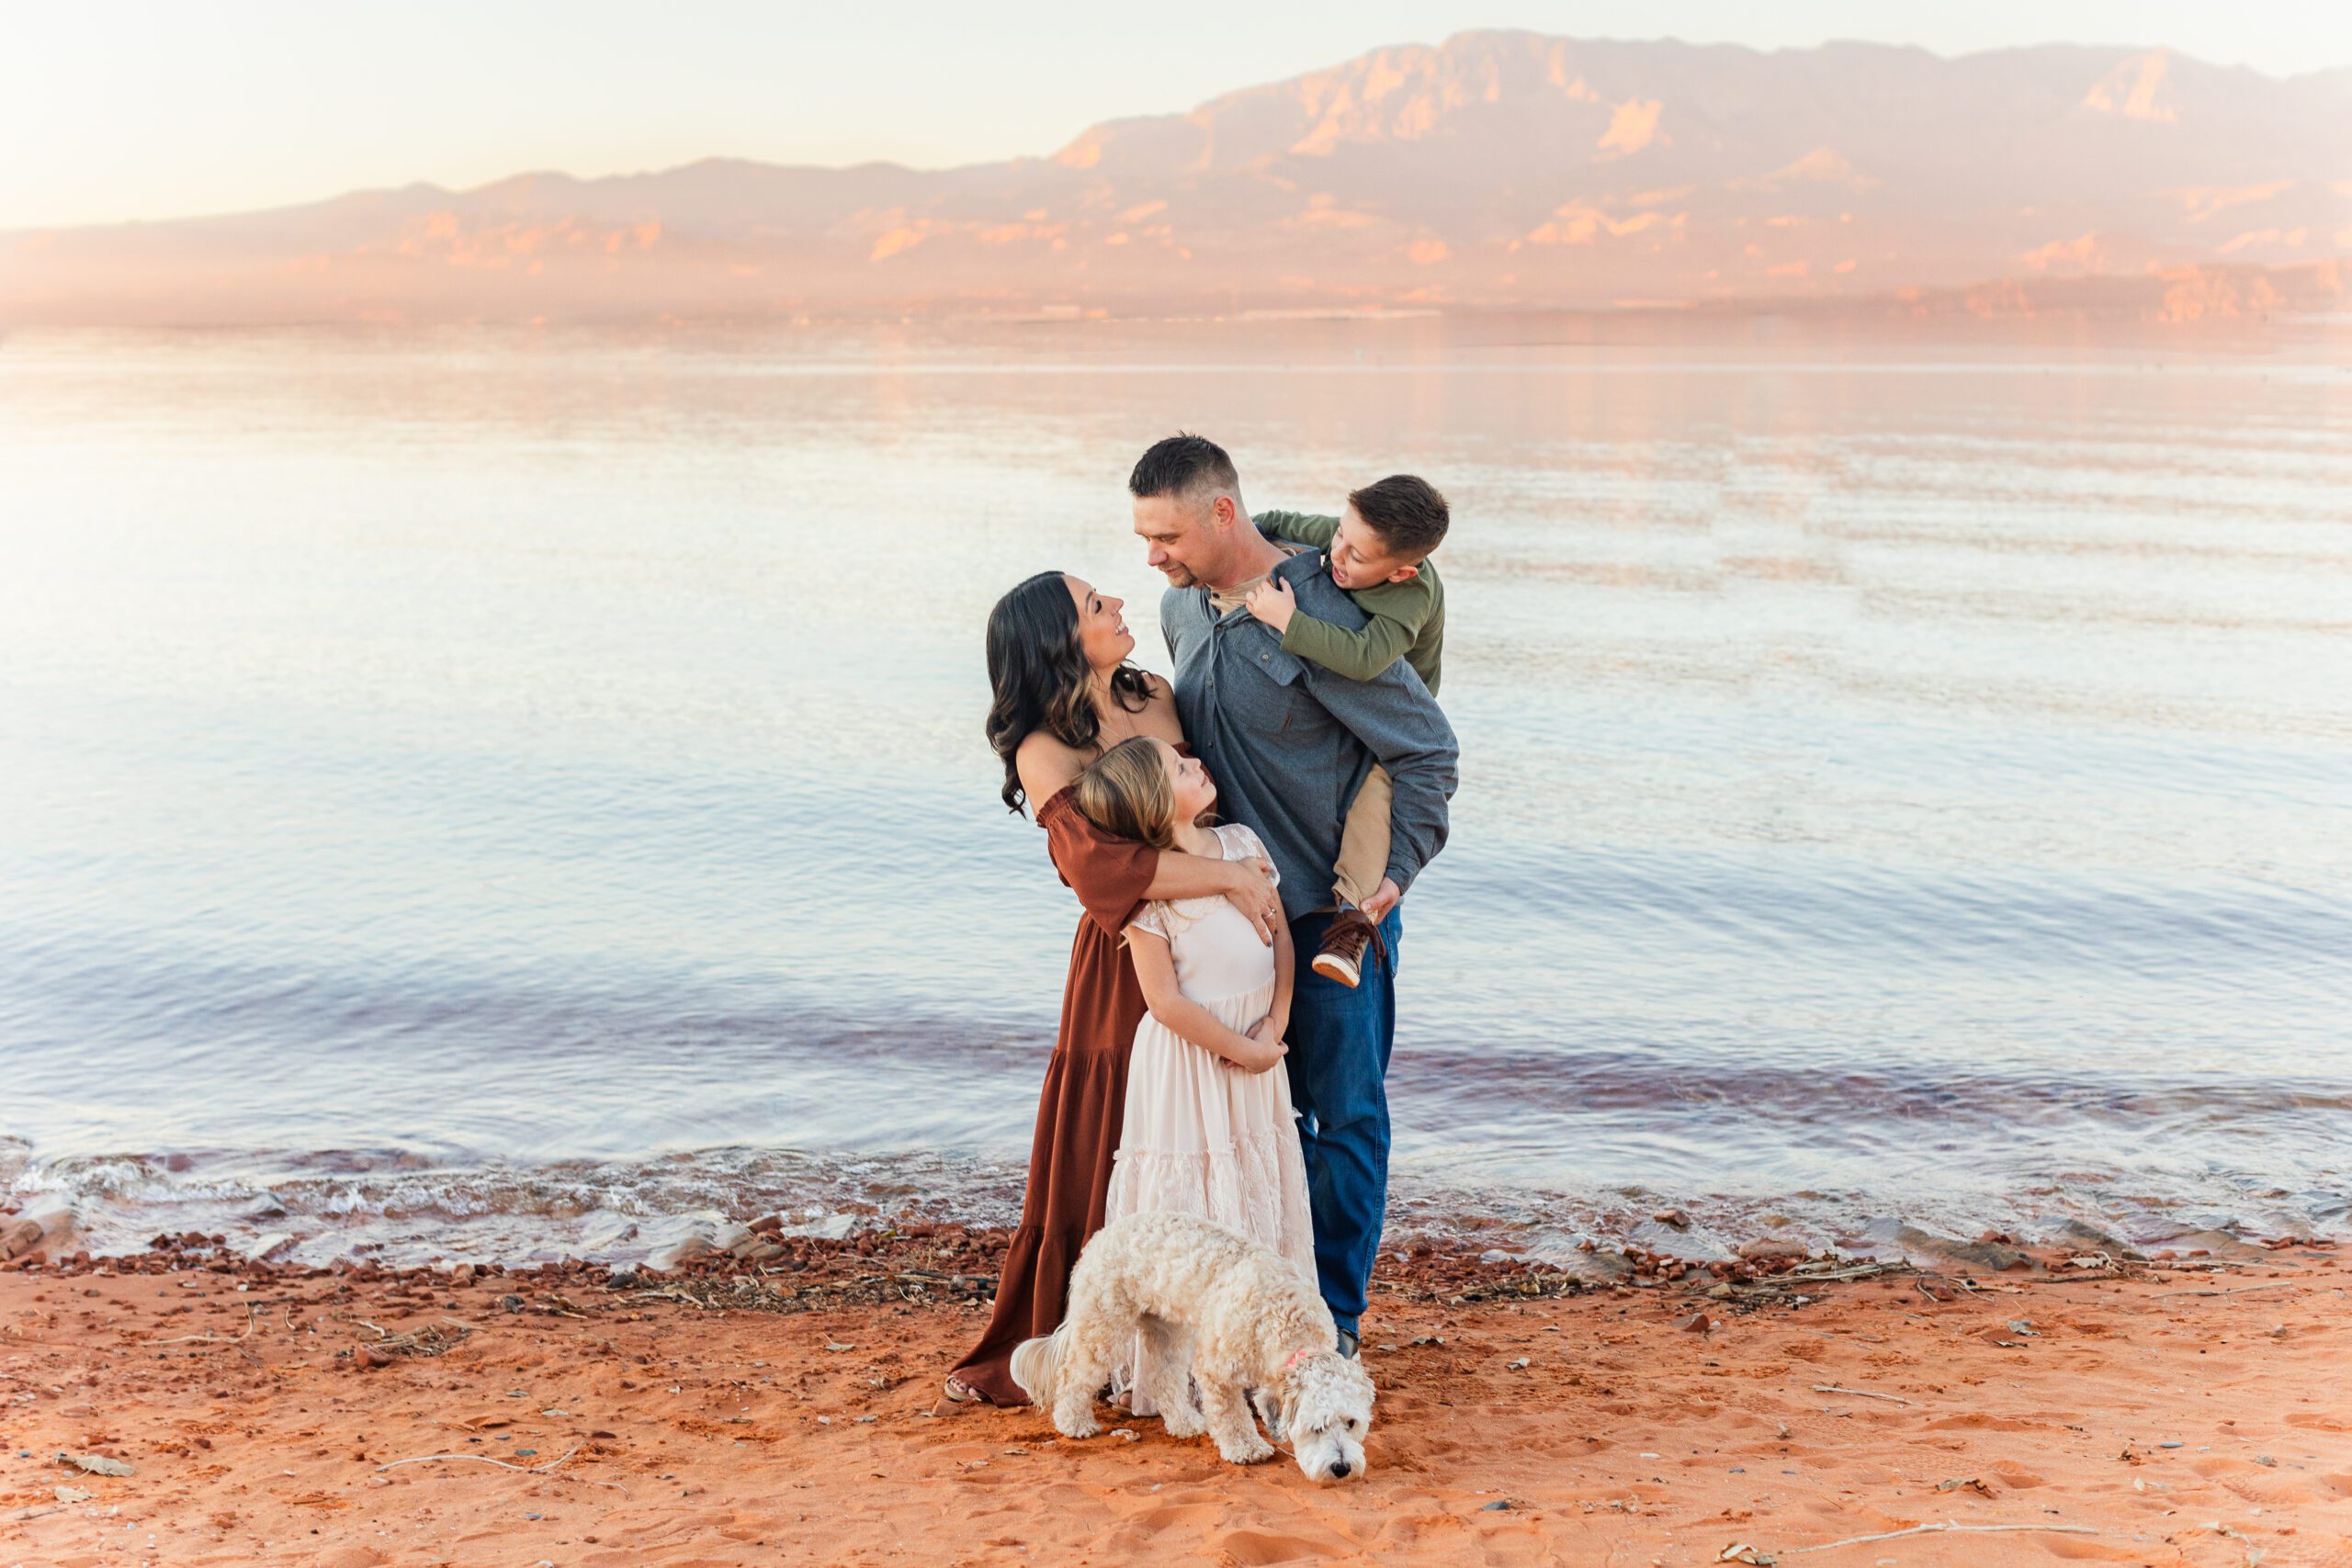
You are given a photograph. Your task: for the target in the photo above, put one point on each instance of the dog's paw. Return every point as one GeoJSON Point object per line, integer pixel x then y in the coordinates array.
{"type": "Point", "coordinates": [1250, 1452]}
{"type": "Point", "coordinates": [1183, 1423]}
{"type": "Point", "coordinates": [1081, 1426]}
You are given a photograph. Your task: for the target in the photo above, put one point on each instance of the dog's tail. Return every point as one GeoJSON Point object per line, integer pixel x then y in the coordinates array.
{"type": "Point", "coordinates": [1037, 1364]}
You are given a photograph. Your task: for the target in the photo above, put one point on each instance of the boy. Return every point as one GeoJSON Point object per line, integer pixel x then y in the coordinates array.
{"type": "Point", "coordinates": [1378, 550]}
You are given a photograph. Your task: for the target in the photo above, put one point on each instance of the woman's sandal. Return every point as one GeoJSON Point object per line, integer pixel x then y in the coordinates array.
{"type": "Point", "coordinates": [954, 1399]}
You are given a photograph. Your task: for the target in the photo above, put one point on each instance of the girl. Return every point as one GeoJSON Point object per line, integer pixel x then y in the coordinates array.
{"type": "Point", "coordinates": [1208, 1128]}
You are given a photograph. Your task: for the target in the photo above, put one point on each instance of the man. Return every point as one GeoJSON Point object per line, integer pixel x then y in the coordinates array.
{"type": "Point", "coordinates": [1289, 743]}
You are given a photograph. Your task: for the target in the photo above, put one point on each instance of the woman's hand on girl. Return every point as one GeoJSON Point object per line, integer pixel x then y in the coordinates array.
{"type": "Point", "coordinates": [1252, 892]}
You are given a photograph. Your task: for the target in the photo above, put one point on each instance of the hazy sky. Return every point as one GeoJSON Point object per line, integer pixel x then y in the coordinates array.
{"type": "Point", "coordinates": [113, 109]}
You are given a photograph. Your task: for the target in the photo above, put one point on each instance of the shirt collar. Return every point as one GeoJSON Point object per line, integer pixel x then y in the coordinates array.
{"type": "Point", "coordinates": [1280, 569]}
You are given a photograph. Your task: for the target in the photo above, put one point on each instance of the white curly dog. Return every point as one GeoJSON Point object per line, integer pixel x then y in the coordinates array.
{"type": "Point", "coordinates": [1234, 1314]}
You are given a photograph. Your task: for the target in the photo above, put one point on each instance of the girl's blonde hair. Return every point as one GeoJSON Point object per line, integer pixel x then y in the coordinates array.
{"type": "Point", "coordinates": [1126, 792]}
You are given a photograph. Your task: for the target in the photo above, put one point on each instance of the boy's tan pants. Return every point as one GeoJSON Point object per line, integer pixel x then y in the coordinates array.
{"type": "Point", "coordinates": [1364, 841]}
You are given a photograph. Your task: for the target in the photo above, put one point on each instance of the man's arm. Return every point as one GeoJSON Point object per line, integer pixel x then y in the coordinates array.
{"type": "Point", "coordinates": [1401, 725]}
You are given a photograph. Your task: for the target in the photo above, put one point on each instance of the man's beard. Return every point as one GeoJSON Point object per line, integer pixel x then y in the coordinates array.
{"type": "Point", "coordinates": [1179, 576]}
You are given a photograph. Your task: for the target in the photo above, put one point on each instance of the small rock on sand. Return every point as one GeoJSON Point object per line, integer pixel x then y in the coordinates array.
{"type": "Point", "coordinates": [18, 1237]}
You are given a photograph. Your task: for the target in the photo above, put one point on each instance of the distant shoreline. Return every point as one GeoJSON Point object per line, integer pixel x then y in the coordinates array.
{"type": "Point", "coordinates": [2178, 297]}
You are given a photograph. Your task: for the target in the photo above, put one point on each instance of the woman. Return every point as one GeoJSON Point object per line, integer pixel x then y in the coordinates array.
{"type": "Point", "coordinates": [1063, 694]}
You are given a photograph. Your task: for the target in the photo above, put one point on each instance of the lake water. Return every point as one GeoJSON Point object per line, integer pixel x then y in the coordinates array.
{"type": "Point", "coordinates": [510, 793]}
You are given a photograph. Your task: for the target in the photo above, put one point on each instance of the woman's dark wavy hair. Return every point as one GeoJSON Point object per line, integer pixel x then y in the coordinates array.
{"type": "Point", "coordinates": [1040, 676]}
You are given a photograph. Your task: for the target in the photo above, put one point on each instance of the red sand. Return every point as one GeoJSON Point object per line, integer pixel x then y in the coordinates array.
{"type": "Point", "coordinates": [2172, 1417]}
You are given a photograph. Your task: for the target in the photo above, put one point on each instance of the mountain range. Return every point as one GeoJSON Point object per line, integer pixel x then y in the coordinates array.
{"type": "Point", "coordinates": [1494, 170]}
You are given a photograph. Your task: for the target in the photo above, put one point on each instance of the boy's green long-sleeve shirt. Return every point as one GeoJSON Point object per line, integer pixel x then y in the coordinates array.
{"type": "Point", "coordinates": [1408, 619]}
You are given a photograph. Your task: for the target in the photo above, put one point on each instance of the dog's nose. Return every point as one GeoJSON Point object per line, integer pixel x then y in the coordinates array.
{"type": "Point", "coordinates": [1339, 1469]}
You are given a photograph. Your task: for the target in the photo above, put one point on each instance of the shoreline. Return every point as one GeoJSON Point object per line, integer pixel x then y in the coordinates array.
{"type": "Point", "coordinates": [739, 1411]}
{"type": "Point", "coordinates": [527, 1216]}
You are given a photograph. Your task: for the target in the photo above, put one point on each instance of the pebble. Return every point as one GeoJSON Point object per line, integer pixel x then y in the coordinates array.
{"type": "Point", "coordinates": [20, 1236]}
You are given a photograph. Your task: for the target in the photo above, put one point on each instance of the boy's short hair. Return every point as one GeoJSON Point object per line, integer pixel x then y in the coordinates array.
{"type": "Point", "coordinates": [1405, 512]}
{"type": "Point", "coordinates": [1184, 465]}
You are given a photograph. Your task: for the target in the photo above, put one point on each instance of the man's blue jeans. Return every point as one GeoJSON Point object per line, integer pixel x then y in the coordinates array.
{"type": "Point", "coordinates": [1340, 1040]}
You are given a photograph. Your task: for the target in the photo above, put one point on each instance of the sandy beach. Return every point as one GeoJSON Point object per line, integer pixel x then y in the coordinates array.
{"type": "Point", "coordinates": [2184, 1410]}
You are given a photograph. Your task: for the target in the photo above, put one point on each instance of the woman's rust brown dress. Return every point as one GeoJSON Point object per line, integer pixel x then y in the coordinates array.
{"type": "Point", "coordinates": [1084, 1100]}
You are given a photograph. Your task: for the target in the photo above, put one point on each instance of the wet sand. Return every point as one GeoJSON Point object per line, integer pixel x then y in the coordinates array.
{"type": "Point", "coordinates": [2167, 1414]}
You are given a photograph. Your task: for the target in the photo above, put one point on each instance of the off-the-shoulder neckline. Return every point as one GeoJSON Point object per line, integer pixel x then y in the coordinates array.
{"type": "Point", "coordinates": [1183, 745]}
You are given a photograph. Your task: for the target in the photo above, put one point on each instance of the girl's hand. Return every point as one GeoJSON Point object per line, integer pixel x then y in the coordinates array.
{"type": "Point", "coordinates": [1266, 1049]}
{"type": "Point", "coordinates": [1252, 892]}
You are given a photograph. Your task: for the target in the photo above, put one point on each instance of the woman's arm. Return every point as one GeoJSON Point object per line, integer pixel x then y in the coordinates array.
{"type": "Point", "coordinates": [1046, 767]}
{"type": "Point", "coordinates": [1155, 970]}
{"type": "Point", "coordinates": [1249, 883]}
{"type": "Point", "coordinates": [1285, 972]}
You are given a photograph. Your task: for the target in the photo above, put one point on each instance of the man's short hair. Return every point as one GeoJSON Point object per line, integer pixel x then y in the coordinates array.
{"type": "Point", "coordinates": [1189, 468]}
{"type": "Point", "coordinates": [1405, 512]}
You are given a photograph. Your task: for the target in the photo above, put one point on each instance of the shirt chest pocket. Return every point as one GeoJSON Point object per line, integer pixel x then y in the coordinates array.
{"type": "Point", "coordinates": [1288, 698]}
{"type": "Point", "coordinates": [1284, 668]}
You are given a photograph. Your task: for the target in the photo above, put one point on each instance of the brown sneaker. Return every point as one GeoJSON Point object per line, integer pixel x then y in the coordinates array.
{"type": "Point", "coordinates": [1341, 958]}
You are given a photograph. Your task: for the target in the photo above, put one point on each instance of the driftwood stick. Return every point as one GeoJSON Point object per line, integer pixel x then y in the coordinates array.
{"type": "Point", "coordinates": [208, 1334]}
{"type": "Point", "coordinates": [523, 1469]}
{"type": "Point", "coordinates": [1941, 1529]}
{"type": "Point", "coordinates": [485, 1459]}
{"type": "Point", "coordinates": [1859, 1392]}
